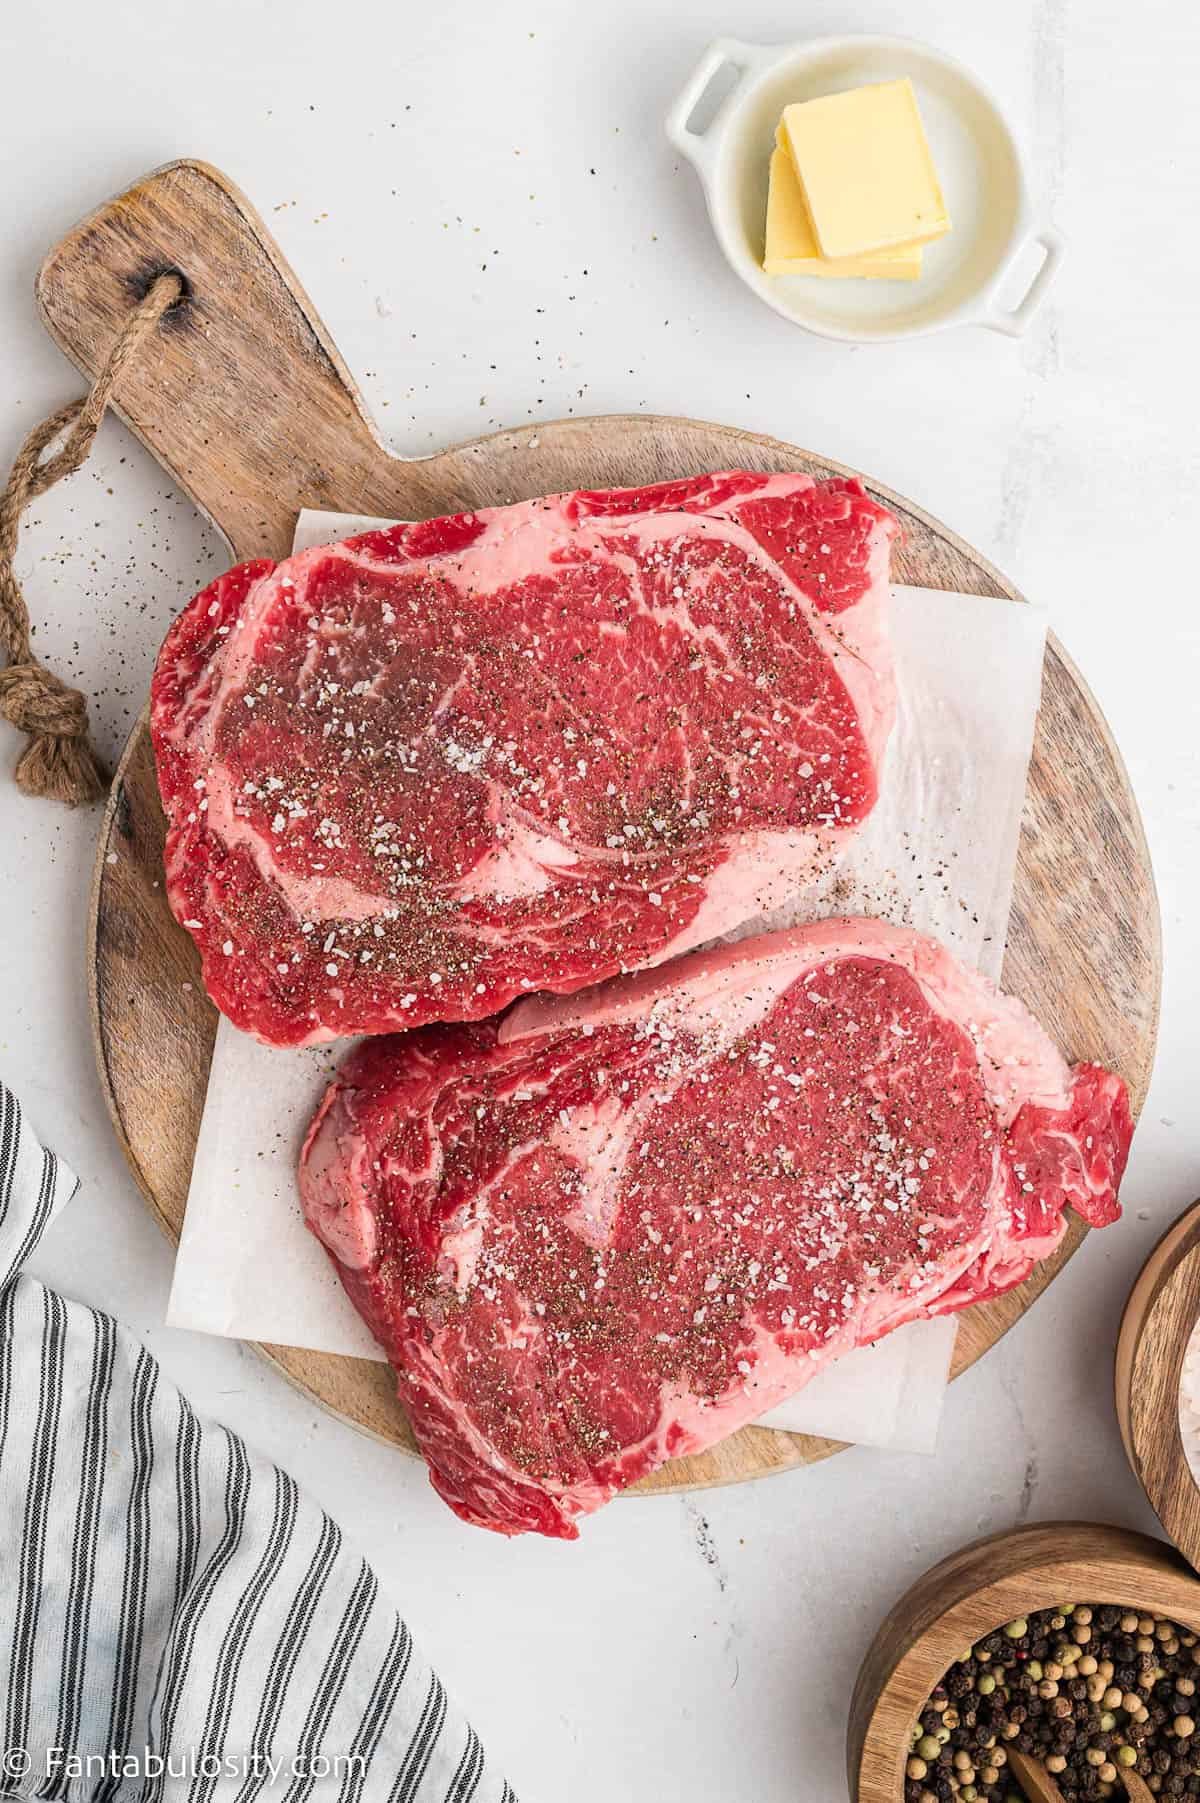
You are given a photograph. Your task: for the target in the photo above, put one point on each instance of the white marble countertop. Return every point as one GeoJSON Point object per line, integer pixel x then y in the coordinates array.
{"type": "Point", "coordinates": [480, 201]}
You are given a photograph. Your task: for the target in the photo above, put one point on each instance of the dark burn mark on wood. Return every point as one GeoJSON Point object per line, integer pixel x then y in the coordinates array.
{"type": "Point", "coordinates": [137, 285]}
{"type": "Point", "coordinates": [122, 816]}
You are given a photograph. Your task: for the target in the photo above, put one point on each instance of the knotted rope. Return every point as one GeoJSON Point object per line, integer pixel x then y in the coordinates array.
{"type": "Point", "coordinates": [60, 760]}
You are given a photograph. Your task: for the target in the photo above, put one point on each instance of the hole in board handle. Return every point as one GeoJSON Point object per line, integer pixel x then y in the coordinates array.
{"type": "Point", "coordinates": [141, 282]}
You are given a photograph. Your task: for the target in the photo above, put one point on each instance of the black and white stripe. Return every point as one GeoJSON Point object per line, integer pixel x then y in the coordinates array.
{"type": "Point", "coordinates": [81, 1589]}
{"type": "Point", "coordinates": [166, 1589]}
{"type": "Point", "coordinates": [233, 1644]}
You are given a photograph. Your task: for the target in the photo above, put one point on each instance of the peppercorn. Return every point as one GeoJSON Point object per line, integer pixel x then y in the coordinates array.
{"type": "Point", "coordinates": [1090, 1690]}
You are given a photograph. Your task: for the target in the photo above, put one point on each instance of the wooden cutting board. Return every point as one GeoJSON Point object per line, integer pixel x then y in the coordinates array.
{"type": "Point", "coordinates": [245, 401]}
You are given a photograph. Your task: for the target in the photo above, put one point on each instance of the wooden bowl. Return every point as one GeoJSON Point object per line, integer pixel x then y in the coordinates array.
{"type": "Point", "coordinates": [1163, 1308]}
{"type": "Point", "coordinates": [975, 1591]}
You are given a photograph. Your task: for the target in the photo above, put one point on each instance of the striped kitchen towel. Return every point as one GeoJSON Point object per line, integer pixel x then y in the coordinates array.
{"type": "Point", "coordinates": [177, 1620]}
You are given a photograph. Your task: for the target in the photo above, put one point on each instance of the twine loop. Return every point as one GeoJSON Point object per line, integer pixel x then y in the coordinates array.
{"type": "Point", "coordinates": [60, 760]}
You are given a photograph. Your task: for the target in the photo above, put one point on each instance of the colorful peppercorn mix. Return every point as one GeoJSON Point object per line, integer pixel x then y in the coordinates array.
{"type": "Point", "coordinates": [1087, 1689]}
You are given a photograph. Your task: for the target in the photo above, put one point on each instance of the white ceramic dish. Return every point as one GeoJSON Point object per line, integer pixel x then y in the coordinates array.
{"type": "Point", "coordinates": [977, 160]}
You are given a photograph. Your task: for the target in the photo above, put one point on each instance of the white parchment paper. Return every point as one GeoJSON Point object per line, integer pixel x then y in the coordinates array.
{"type": "Point", "coordinates": [938, 854]}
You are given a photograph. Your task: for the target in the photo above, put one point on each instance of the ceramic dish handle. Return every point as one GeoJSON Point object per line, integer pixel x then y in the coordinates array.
{"type": "Point", "coordinates": [1015, 320]}
{"type": "Point", "coordinates": [700, 146]}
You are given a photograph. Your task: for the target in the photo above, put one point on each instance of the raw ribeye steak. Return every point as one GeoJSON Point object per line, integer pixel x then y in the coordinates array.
{"type": "Point", "coordinates": [414, 775]}
{"type": "Point", "coordinates": [609, 1229]}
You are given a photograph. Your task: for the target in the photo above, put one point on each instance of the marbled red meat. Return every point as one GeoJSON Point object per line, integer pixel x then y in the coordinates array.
{"type": "Point", "coordinates": [609, 1229]}
{"type": "Point", "coordinates": [415, 775]}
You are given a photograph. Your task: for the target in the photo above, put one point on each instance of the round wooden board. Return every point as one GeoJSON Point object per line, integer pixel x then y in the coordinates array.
{"type": "Point", "coordinates": [1083, 947]}
{"type": "Point", "coordinates": [245, 401]}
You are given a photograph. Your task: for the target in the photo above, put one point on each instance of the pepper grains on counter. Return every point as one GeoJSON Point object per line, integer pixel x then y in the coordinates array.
{"type": "Point", "coordinates": [1085, 1689]}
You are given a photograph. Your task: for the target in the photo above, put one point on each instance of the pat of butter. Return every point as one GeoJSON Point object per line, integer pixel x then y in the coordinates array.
{"type": "Point", "coordinates": [791, 248]}
{"type": "Point", "coordinates": [865, 170]}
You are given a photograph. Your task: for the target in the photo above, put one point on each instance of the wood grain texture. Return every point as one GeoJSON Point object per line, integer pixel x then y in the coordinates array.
{"type": "Point", "coordinates": [1035, 1780]}
{"type": "Point", "coordinates": [975, 1591]}
{"type": "Point", "coordinates": [250, 408]}
{"type": "Point", "coordinates": [1162, 1310]}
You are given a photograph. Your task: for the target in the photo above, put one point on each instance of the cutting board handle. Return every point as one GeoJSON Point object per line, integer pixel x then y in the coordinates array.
{"type": "Point", "coordinates": [242, 395]}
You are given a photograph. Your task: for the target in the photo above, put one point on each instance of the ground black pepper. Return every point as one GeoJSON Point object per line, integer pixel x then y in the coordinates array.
{"type": "Point", "coordinates": [1087, 1689]}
